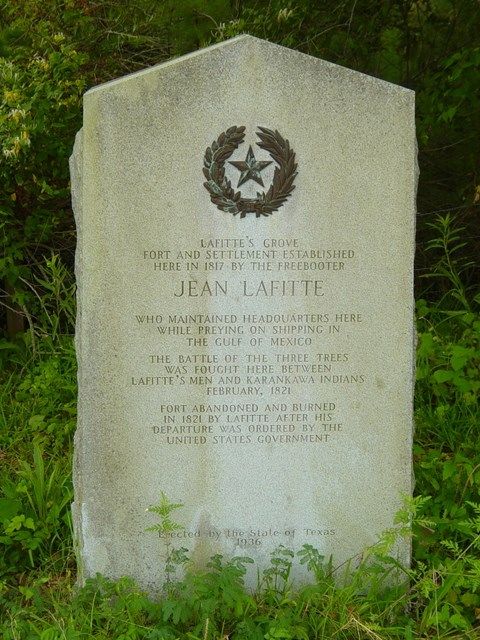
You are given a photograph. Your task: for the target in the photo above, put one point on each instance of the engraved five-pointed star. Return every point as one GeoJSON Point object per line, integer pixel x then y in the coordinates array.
{"type": "Point", "coordinates": [250, 168]}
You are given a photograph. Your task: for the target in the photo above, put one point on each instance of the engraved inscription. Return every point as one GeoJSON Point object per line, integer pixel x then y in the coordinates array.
{"type": "Point", "coordinates": [253, 367]}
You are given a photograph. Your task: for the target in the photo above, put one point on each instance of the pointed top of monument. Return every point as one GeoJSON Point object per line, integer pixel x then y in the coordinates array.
{"type": "Point", "coordinates": [252, 45]}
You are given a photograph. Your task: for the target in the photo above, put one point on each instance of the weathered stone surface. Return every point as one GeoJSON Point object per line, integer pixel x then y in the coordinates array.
{"type": "Point", "coordinates": [258, 368]}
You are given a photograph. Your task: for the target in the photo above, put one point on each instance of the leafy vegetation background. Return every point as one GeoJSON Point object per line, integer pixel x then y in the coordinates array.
{"type": "Point", "coordinates": [51, 51]}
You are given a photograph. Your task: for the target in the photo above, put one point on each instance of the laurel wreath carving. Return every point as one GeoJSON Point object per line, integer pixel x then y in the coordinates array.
{"type": "Point", "coordinates": [220, 188]}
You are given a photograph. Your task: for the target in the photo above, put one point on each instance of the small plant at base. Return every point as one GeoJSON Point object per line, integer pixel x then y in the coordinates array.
{"type": "Point", "coordinates": [315, 562]}
{"type": "Point", "coordinates": [164, 528]}
{"type": "Point", "coordinates": [276, 577]}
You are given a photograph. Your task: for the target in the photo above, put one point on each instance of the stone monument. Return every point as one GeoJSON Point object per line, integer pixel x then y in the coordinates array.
{"type": "Point", "coordinates": [245, 329]}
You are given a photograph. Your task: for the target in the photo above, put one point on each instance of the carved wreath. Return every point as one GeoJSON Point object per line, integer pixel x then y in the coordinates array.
{"type": "Point", "coordinates": [220, 188]}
